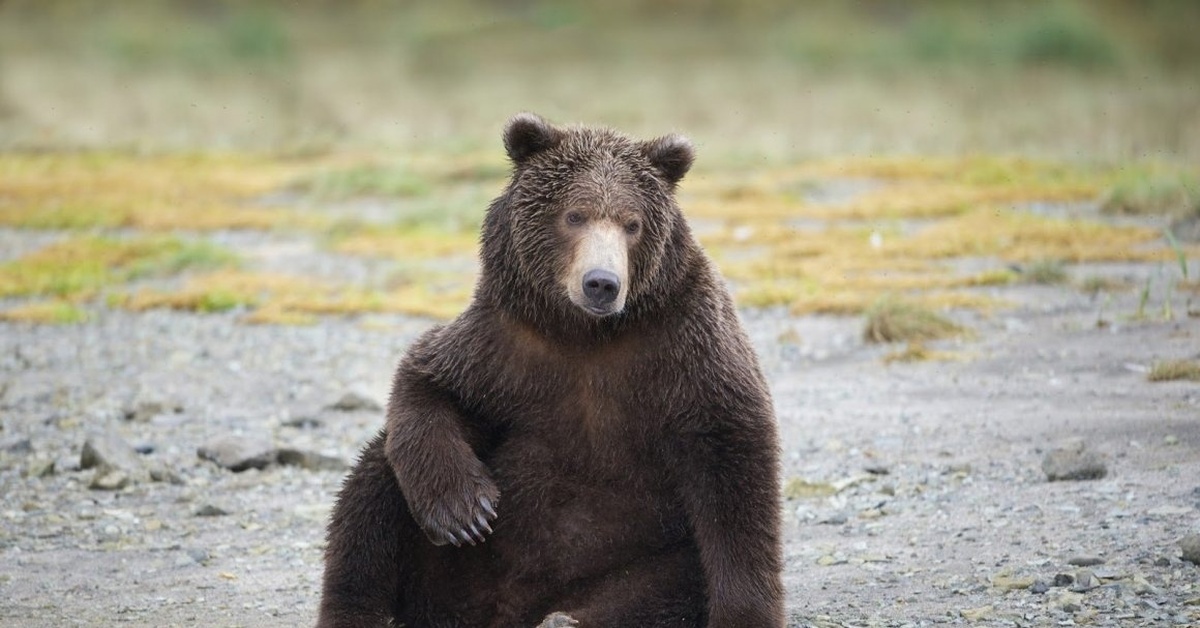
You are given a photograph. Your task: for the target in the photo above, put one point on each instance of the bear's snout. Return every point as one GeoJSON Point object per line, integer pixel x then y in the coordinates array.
{"type": "Point", "coordinates": [601, 287]}
{"type": "Point", "coordinates": [597, 278]}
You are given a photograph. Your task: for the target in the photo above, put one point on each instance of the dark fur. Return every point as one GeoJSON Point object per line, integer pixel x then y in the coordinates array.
{"type": "Point", "coordinates": [631, 460]}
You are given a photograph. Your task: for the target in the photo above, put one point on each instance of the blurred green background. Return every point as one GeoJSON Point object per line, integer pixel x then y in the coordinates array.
{"type": "Point", "coordinates": [1102, 80]}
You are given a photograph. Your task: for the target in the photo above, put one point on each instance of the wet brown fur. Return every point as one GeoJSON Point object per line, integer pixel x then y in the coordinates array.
{"type": "Point", "coordinates": [631, 460]}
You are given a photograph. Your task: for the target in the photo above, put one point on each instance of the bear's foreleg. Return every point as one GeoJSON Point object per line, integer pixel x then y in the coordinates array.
{"type": "Point", "coordinates": [727, 473]}
{"type": "Point", "coordinates": [448, 489]}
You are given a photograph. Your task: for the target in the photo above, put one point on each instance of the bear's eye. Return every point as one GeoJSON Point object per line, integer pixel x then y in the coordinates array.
{"type": "Point", "coordinates": [574, 218]}
{"type": "Point", "coordinates": [632, 227]}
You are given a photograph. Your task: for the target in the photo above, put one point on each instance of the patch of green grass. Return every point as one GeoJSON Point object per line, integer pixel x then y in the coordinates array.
{"type": "Point", "coordinates": [78, 267]}
{"type": "Point", "coordinates": [1057, 33]}
{"type": "Point", "coordinates": [1175, 370]}
{"type": "Point", "coordinates": [383, 181]}
{"type": "Point", "coordinates": [893, 320]}
{"type": "Point", "coordinates": [1149, 192]}
{"type": "Point", "coordinates": [1045, 271]}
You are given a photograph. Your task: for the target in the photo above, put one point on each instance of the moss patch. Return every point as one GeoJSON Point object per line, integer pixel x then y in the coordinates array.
{"type": "Point", "coordinates": [45, 312]}
{"type": "Point", "coordinates": [78, 267]}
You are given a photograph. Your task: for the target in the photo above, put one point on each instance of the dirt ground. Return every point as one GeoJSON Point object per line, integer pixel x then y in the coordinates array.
{"type": "Point", "coordinates": [917, 493]}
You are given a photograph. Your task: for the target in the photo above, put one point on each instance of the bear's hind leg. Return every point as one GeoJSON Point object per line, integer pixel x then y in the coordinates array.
{"type": "Point", "coordinates": [368, 547]}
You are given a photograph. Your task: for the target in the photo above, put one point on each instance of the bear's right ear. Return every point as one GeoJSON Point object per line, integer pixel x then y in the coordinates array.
{"type": "Point", "coordinates": [528, 134]}
{"type": "Point", "coordinates": [672, 155]}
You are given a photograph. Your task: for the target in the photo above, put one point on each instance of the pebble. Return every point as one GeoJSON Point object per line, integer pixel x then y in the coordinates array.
{"type": "Point", "coordinates": [1190, 546]}
{"type": "Point", "coordinates": [108, 479]}
{"type": "Point", "coordinates": [354, 402]}
{"type": "Point", "coordinates": [309, 460]}
{"type": "Point", "coordinates": [209, 510]}
{"type": "Point", "coordinates": [1012, 583]}
{"type": "Point", "coordinates": [1073, 463]}
{"type": "Point", "coordinates": [143, 409]}
{"type": "Point", "coordinates": [1039, 587]}
{"type": "Point", "coordinates": [1085, 560]}
{"type": "Point", "coordinates": [238, 453]}
{"type": "Point", "coordinates": [1085, 580]}
{"type": "Point", "coordinates": [107, 450]}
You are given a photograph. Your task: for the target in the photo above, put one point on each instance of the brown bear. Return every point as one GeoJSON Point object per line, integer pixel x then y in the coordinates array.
{"type": "Point", "coordinates": [591, 441]}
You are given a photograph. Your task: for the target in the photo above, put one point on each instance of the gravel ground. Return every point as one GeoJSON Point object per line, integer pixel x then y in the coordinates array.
{"type": "Point", "coordinates": [917, 493]}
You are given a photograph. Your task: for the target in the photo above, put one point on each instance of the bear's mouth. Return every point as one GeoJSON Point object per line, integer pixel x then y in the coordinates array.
{"type": "Point", "coordinates": [599, 311]}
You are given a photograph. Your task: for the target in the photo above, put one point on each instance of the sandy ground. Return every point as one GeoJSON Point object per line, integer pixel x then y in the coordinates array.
{"type": "Point", "coordinates": [925, 501]}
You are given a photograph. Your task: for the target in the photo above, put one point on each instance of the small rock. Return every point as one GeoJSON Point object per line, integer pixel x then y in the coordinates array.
{"type": "Point", "coordinates": [836, 519]}
{"type": "Point", "coordinates": [1085, 581]}
{"type": "Point", "coordinates": [1039, 587]}
{"type": "Point", "coordinates": [1170, 439]}
{"type": "Point", "coordinates": [163, 474]}
{"type": "Point", "coordinates": [198, 555]}
{"type": "Point", "coordinates": [1069, 602]}
{"type": "Point", "coordinates": [1142, 586]}
{"type": "Point", "coordinates": [1162, 561]}
{"type": "Point", "coordinates": [1010, 583]}
{"type": "Point", "coordinates": [238, 453]}
{"type": "Point", "coordinates": [144, 408]}
{"type": "Point", "coordinates": [310, 460]}
{"type": "Point", "coordinates": [108, 450]}
{"type": "Point", "coordinates": [1074, 463]}
{"type": "Point", "coordinates": [1085, 560]}
{"type": "Point", "coordinates": [109, 479]}
{"type": "Point", "coordinates": [1190, 545]}
{"type": "Point", "coordinates": [1063, 579]}
{"type": "Point", "coordinates": [304, 422]}
{"type": "Point", "coordinates": [40, 469]}
{"type": "Point", "coordinates": [117, 465]}
{"type": "Point", "coordinates": [977, 614]}
{"type": "Point", "coordinates": [209, 510]}
{"type": "Point", "coordinates": [144, 449]}
{"type": "Point", "coordinates": [16, 445]}
{"type": "Point", "coordinates": [354, 402]}
{"type": "Point", "coordinates": [877, 469]}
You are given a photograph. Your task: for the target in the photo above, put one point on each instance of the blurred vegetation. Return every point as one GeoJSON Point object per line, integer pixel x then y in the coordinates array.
{"type": "Point", "coordinates": [761, 78]}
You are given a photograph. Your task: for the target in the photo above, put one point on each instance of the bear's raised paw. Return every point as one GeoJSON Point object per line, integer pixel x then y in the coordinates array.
{"type": "Point", "coordinates": [460, 517]}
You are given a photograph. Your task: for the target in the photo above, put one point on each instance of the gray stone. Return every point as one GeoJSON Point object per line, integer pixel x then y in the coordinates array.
{"type": "Point", "coordinates": [1085, 581]}
{"type": "Point", "coordinates": [108, 453]}
{"type": "Point", "coordinates": [310, 460]}
{"type": "Point", "coordinates": [109, 479]}
{"type": "Point", "coordinates": [147, 406]}
{"type": "Point", "coordinates": [1190, 545]}
{"type": "Point", "coordinates": [160, 473]}
{"type": "Point", "coordinates": [238, 453]}
{"type": "Point", "coordinates": [16, 445]}
{"type": "Point", "coordinates": [1074, 463]}
{"type": "Point", "coordinates": [1085, 560]}
{"type": "Point", "coordinates": [354, 402]}
{"type": "Point", "coordinates": [42, 468]}
{"type": "Point", "coordinates": [209, 510]}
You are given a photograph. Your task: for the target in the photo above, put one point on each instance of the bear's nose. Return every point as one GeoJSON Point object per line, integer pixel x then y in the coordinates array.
{"type": "Point", "coordinates": [601, 286]}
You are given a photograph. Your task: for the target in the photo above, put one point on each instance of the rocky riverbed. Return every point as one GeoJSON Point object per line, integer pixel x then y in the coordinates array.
{"type": "Point", "coordinates": [172, 469]}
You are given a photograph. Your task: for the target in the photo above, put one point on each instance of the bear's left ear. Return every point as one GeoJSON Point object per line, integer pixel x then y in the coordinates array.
{"type": "Point", "coordinates": [671, 154]}
{"type": "Point", "coordinates": [528, 134]}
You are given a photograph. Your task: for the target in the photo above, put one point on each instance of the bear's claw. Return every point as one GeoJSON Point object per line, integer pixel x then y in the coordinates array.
{"type": "Point", "coordinates": [458, 523]}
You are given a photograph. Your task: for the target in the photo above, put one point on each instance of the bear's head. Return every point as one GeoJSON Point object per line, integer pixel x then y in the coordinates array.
{"type": "Point", "coordinates": [588, 228]}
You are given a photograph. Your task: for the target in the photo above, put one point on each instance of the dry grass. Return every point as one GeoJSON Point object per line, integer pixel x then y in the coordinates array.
{"type": "Point", "coordinates": [53, 312]}
{"type": "Point", "coordinates": [159, 193]}
{"type": "Point", "coordinates": [1175, 370]}
{"type": "Point", "coordinates": [293, 299]}
{"type": "Point", "coordinates": [893, 320]}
